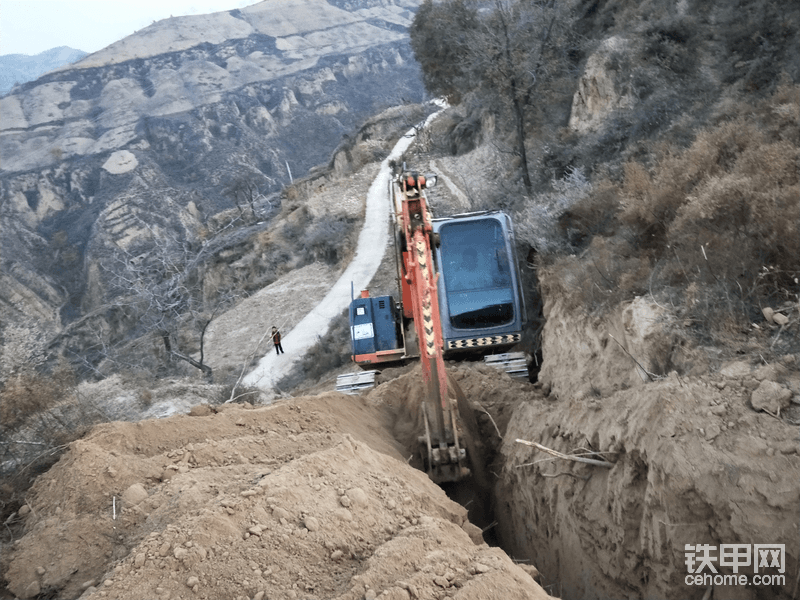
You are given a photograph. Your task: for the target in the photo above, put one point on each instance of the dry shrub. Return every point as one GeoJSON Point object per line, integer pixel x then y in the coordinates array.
{"type": "Point", "coordinates": [33, 432]}
{"type": "Point", "coordinates": [594, 214]}
{"type": "Point", "coordinates": [29, 394]}
{"type": "Point", "coordinates": [723, 216]}
{"type": "Point", "coordinates": [712, 230]}
{"type": "Point", "coordinates": [607, 273]}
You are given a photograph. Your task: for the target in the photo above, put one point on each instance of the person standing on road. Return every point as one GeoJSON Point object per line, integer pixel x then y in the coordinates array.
{"type": "Point", "coordinates": [276, 339]}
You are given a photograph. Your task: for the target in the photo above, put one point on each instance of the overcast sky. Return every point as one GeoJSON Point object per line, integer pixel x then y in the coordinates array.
{"type": "Point", "coordinates": [31, 26]}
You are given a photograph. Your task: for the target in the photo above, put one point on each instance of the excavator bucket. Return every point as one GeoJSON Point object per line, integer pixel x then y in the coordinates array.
{"type": "Point", "coordinates": [444, 449]}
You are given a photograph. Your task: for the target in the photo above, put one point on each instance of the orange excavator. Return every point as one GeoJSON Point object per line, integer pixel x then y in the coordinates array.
{"type": "Point", "coordinates": [460, 288]}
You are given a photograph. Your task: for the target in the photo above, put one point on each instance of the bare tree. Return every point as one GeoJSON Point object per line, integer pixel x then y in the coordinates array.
{"type": "Point", "coordinates": [503, 52]}
{"type": "Point", "coordinates": [243, 188]}
{"type": "Point", "coordinates": [160, 285]}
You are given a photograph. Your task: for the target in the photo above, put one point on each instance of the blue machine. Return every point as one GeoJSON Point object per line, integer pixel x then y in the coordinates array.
{"type": "Point", "coordinates": [373, 327]}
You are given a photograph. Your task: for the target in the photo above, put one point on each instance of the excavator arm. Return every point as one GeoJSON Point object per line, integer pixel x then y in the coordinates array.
{"type": "Point", "coordinates": [442, 452]}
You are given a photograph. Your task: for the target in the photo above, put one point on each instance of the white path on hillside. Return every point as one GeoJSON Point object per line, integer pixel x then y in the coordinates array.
{"type": "Point", "coordinates": [369, 253]}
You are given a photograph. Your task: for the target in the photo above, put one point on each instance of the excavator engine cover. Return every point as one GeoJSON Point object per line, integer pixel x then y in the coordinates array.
{"type": "Point", "coordinates": [373, 324]}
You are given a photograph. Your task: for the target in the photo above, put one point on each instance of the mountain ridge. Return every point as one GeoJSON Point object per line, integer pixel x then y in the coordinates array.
{"type": "Point", "coordinates": [179, 135]}
{"type": "Point", "coordinates": [21, 68]}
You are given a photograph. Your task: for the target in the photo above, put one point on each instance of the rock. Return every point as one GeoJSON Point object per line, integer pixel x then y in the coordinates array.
{"type": "Point", "coordinates": [281, 513]}
{"type": "Point", "coordinates": [735, 370]}
{"type": "Point", "coordinates": [768, 314]}
{"type": "Point", "coordinates": [780, 319]}
{"type": "Point", "coordinates": [24, 510]}
{"type": "Point", "coordinates": [530, 570]}
{"type": "Point", "coordinates": [337, 554]}
{"type": "Point", "coordinates": [343, 514]}
{"type": "Point", "coordinates": [33, 590]}
{"type": "Point", "coordinates": [474, 532]}
{"type": "Point", "coordinates": [718, 410]}
{"type": "Point", "coordinates": [441, 582]}
{"type": "Point", "coordinates": [601, 89]}
{"type": "Point", "coordinates": [770, 396]}
{"type": "Point", "coordinates": [134, 495]}
{"type": "Point", "coordinates": [370, 595]}
{"type": "Point", "coordinates": [120, 162]}
{"type": "Point", "coordinates": [712, 431]}
{"type": "Point", "coordinates": [201, 410]}
{"type": "Point", "coordinates": [345, 501]}
{"type": "Point", "coordinates": [180, 553]}
{"type": "Point", "coordinates": [311, 523]}
{"type": "Point", "coordinates": [479, 568]}
{"type": "Point", "coordinates": [255, 530]}
{"type": "Point", "coordinates": [139, 560]}
{"type": "Point", "coordinates": [259, 596]}
{"type": "Point", "coordinates": [164, 549]}
{"type": "Point", "coordinates": [358, 496]}
{"type": "Point", "coordinates": [192, 581]}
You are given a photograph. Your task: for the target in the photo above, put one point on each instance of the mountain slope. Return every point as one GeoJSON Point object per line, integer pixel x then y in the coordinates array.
{"type": "Point", "coordinates": [162, 130]}
{"type": "Point", "coordinates": [21, 68]}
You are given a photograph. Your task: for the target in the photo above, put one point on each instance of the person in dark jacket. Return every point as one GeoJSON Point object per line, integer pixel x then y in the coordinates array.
{"type": "Point", "coordinates": [276, 339]}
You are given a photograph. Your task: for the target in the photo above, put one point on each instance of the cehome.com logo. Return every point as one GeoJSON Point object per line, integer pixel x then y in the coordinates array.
{"type": "Point", "coordinates": [767, 562]}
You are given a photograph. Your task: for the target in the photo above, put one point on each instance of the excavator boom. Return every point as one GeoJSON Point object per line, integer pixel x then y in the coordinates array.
{"type": "Point", "coordinates": [443, 455]}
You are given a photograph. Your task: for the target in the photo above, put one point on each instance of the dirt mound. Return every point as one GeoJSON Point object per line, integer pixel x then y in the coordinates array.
{"type": "Point", "coordinates": [305, 499]}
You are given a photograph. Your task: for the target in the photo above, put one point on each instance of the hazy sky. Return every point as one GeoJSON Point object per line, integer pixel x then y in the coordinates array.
{"type": "Point", "coordinates": [31, 26]}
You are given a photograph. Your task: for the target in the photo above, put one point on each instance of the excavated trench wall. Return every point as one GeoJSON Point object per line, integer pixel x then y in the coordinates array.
{"type": "Point", "coordinates": [693, 463]}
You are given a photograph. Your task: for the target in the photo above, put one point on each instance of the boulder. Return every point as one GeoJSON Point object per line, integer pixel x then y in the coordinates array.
{"type": "Point", "coordinates": [770, 396]}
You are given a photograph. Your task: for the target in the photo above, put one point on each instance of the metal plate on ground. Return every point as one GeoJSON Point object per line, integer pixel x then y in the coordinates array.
{"type": "Point", "coordinates": [513, 363]}
{"type": "Point", "coordinates": [353, 383]}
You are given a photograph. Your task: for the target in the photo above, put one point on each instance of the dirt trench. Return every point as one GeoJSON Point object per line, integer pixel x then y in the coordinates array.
{"type": "Point", "coordinates": [306, 499]}
{"type": "Point", "coordinates": [318, 498]}
{"type": "Point", "coordinates": [695, 462]}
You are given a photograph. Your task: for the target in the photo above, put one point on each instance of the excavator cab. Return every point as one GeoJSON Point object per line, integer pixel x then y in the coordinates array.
{"type": "Point", "coordinates": [480, 294]}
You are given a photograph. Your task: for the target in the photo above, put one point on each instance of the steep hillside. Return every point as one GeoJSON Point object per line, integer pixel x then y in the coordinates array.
{"type": "Point", "coordinates": [150, 138]}
{"type": "Point", "coordinates": [660, 232]}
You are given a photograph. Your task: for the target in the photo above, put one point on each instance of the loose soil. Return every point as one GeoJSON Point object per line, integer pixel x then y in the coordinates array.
{"type": "Point", "coordinates": [309, 498]}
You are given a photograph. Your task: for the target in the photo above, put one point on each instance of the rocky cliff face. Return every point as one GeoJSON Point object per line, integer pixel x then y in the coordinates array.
{"type": "Point", "coordinates": [169, 123]}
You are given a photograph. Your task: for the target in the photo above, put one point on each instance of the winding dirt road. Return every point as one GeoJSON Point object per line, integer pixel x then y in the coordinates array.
{"type": "Point", "coordinates": [372, 243]}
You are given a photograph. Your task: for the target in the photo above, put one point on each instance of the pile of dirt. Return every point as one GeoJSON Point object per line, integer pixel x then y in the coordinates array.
{"type": "Point", "coordinates": [304, 499]}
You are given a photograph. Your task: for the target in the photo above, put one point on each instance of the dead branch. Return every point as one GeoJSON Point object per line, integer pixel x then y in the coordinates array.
{"type": "Point", "coordinates": [651, 376]}
{"type": "Point", "coordinates": [496, 428]}
{"type": "Point", "coordinates": [587, 461]}
{"type": "Point", "coordinates": [583, 477]}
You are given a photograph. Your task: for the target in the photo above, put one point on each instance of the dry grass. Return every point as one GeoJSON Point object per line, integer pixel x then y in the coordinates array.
{"type": "Point", "coordinates": [714, 228]}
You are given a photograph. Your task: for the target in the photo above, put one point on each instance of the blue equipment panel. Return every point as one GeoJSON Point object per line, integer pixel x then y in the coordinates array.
{"type": "Point", "coordinates": [373, 325]}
